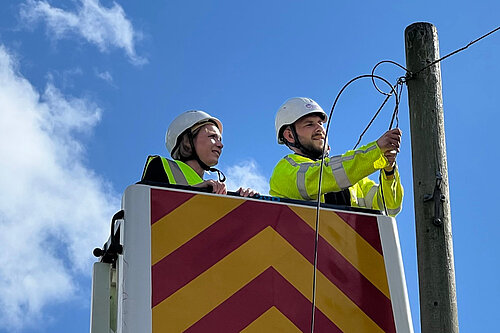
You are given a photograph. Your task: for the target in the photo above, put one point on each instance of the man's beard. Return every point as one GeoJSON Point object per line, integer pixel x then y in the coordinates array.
{"type": "Point", "coordinates": [312, 151]}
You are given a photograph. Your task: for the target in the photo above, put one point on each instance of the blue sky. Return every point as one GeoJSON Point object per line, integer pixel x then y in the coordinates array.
{"type": "Point", "coordinates": [88, 88]}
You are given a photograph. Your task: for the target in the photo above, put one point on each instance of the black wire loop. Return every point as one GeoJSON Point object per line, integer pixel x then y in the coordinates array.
{"type": "Point", "coordinates": [383, 62]}
{"type": "Point", "coordinates": [394, 93]}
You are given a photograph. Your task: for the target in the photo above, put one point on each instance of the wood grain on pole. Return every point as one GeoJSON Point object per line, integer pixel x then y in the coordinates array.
{"type": "Point", "coordinates": [438, 302]}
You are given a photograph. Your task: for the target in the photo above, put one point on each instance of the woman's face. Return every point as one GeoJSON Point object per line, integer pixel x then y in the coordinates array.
{"type": "Point", "coordinates": [208, 144]}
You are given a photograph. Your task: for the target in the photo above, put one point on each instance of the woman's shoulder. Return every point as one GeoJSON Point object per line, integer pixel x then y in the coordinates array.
{"type": "Point", "coordinates": [154, 170]}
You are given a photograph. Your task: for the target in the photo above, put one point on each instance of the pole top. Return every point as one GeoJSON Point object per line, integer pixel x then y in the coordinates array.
{"type": "Point", "coordinates": [420, 26]}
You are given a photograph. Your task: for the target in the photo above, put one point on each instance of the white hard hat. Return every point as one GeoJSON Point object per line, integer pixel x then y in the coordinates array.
{"type": "Point", "coordinates": [184, 121]}
{"type": "Point", "coordinates": [294, 109]}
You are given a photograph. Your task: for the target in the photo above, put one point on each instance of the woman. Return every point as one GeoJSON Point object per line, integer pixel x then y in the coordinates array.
{"type": "Point", "coordinates": [193, 140]}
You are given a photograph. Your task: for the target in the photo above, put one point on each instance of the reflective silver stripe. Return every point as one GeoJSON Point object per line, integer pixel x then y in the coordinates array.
{"type": "Point", "coordinates": [301, 177]}
{"type": "Point", "coordinates": [393, 212]}
{"type": "Point", "coordinates": [369, 197]}
{"type": "Point", "coordinates": [361, 202]}
{"type": "Point", "coordinates": [292, 162]}
{"type": "Point", "coordinates": [339, 172]}
{"type": "Point", "coordinates": [179, 177]}
{"type": "Point", "coordinates": [359, 151]}
{"type": "Point", "coordinates": [301, 181]}
{"type": "Point", "coordinates": [338, 168]}
{"type": "Point", "coordinates": [380, 204]}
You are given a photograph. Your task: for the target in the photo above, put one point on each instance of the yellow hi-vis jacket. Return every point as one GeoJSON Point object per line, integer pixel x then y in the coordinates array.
{"type": "Point", "coordinates": [297, 177]}
{"type": "Point", "coordinates": [176, 172]}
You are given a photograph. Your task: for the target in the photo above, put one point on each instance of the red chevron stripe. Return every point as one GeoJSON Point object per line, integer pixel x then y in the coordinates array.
{"type": "Point", "coordinates": [341, 273]}
{"type": "Point", "coordinates": [250, 302]}
{"type": "Point", "coordinates": [193, 258]}
{"type": "Point", "coordinates": [163, 202]}
{"type": "Point", "coordinates": [365, 226]}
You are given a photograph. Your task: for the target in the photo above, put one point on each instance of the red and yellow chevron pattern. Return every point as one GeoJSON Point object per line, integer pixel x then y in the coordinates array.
{"type": "Point", "coordinates": [223, 264]}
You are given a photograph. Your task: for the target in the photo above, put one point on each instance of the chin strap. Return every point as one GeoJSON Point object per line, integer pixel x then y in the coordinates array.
{"type": "Point", "coordinates": [220, 175]}
{"type": "Point", "coordinates": [194, 155]}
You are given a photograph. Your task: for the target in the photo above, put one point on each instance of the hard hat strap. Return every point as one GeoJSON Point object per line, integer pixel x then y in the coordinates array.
{"type": "Point", "coordinates": [220, 174]}
{"type": "Point", "coordinates": [194, 154]}
{"type": "Point", "coordinates": [295, 144]}
{"type": "Point", "coordinates": [307, 152]}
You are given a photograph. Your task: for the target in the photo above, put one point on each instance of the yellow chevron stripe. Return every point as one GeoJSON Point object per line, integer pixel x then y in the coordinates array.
{"type": "Point", "coordinates": [268, 248]}
{"type": "Point", "coordinates": [196, 214]}
{"type": "Point", "coordinates": [350, 244]}
{"type": "Point", "coordinates": [271, 321]}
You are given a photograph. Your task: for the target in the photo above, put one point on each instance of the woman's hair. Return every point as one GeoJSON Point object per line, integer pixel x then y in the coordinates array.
{"type": "Point", "coordinates": [184, 152]}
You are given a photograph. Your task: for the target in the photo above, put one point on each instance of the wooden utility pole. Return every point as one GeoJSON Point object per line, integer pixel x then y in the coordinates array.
{"type": "Point", "coordinates": [436, 272]}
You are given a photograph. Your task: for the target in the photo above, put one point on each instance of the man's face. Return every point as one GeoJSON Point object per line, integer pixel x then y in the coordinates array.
{"type": "Point", "coordinates": [311, 132]}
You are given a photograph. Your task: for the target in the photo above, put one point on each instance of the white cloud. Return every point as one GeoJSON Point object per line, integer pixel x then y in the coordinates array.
{"type": "Point", "coordinates": [246, 174]}
{"type": "Point", "coordinates": [52, 207]}
{"type": "Point", "coordinates": [66, 78]}
{"type": "Point", "coordinates": [106, 76]}
{"type": "Point", "coordinates": [104, 27]}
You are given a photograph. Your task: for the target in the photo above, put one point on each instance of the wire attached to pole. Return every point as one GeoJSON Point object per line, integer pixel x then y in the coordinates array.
{"type": "Point", "coordinates": [456, 51]}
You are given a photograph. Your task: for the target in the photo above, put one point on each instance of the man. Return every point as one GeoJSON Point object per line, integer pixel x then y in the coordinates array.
{"type": "Point", "coordinates": [299, 125]}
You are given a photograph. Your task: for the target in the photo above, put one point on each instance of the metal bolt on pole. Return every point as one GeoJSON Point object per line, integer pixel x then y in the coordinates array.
{"type": "Point", "coordinates": [438, 302]}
